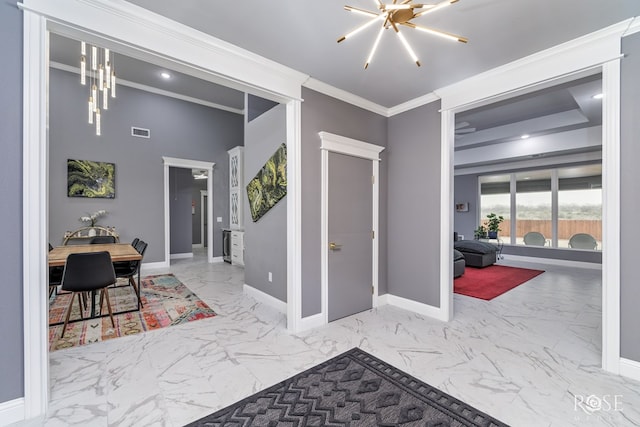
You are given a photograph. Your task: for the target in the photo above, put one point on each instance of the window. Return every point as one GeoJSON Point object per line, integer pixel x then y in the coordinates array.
{"type": "Point", "coordinates": [533, 205]}
{"type": "Point", "coordinates": [580, 203]}
{"type": "Point", "coordinates": [495, 196]}
{"type": "Point", "coordinates": [556, 203]}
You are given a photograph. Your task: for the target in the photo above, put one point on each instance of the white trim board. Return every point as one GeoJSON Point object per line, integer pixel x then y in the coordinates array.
{"type": "Point", "coordinates": [181, 256]}
{"type": "Point", "coordinates": [413, 306]}
{"type": "Point", "coordinates": [552, 261]}
{"type": "Point", "coordinates": [203, 194]}
{"type": "Point", "coordinates": [12, 411]}
{"type": "Point", "coordinates": [265, 298]}
{"type": "Point", "coordinates": [630, 368]}
{"type": "Point", "coordinates": [339, 144]}
{"type": "Point", "coordinates": [186, 164]}
{"type": "Point", "coordinates": [599, 50]}
{"type": "Point", "coordinates": [118, 24]}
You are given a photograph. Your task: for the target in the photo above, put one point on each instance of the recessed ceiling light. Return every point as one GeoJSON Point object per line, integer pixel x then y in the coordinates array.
{"type": "Point", "coordinates": [525, 136]}
{"type": "Point", "coordinates": [598, 96]}
{"type": "Point", "coordinates": [165, 75]}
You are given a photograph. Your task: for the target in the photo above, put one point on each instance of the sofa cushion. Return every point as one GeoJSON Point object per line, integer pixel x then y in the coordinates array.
{"type": "Point", "coordinates": [474, 246]}
{"type": "Point", "coordinates": [457, 255]}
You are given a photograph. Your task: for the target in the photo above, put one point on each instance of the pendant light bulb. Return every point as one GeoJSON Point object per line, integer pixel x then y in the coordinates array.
{"type": "Point", "coordinates": [94, 58]}
{"type": "Point", "coordinates": [83, 49]}
{"type": "Point", "coordinates": [105, 98]}
{"type": "Point", "coordinates": [98, 130]}
{"type": "Point", "coordinates": [90, 110]}
{"type": "Point", "coordinates": [101, 77]}
{"type": "Point", "coordinates": [113, 83]}
{"type": "Point", "coordinates": [94, 96]}
{"type": "Point", "coordinates": [83, 70]}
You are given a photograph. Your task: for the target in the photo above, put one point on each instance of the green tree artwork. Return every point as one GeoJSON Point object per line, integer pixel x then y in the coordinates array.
{"type": "Point", "coordinates": [86, 178]}
{"type": "Point", "coordinates": [269, 184]}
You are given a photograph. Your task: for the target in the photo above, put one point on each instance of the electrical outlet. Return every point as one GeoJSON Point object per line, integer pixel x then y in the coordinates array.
{"type": "Point", "coordinates": [270, 277]}
{"type": "Point", "coordinates": [219, 219]}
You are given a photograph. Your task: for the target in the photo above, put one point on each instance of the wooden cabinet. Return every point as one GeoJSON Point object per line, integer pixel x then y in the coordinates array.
{"type": "Point", "coordinates": [237, 247]}
{"type": "Point", "coordinates": [236, 188]}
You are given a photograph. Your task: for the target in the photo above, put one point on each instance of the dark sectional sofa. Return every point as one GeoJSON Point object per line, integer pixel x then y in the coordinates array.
{"type": "Point", "coordinates": [476, 254]}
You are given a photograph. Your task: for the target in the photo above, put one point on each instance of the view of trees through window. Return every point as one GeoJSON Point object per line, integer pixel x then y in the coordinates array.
{"type": "Point", "coordinates": [579, 206]}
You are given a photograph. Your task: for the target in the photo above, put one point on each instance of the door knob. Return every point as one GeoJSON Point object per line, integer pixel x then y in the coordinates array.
{"type": "Point", "coordinates": [334, 246]}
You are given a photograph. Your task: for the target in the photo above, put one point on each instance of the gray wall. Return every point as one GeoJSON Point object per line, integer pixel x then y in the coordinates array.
{"type": "Point", "coordinates": [198, 185]}
{"type": "Point", "coordinates": [266, 239]}
{"type": "Point", "coordinates": [323, 113]}
{"type": "Point", "coordinates": [413, 208]}
{"type": "Point", "coordinates": [11, 355]}
{"type": "Point", "coordinates": [180, 194]}
{"type": "Point", "coordinates": [178, 129]}
{"type": "Point", "coordinates": [466, 189]}
{"type": "Point", "coordinates": [630, 198]}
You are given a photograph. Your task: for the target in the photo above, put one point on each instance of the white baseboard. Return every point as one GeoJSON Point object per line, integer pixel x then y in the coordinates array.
{"type": "Point", "coordinates": [311, 322]}
{"type": "Point", "coordinates": [409, 305]}
{"type": "Point", "coordinates": [181, 256]}
{"type": "Point", "coordinates": [197, 246]}
{"type": "Point", "coordinates": [154, 265]}
{"type": "Point", "coordinates": [265, 298]}
{"type": "Point", "coordinates": [630, 369]}
{"type": "Point", "coordinates": [11, 411]}
{"type": "Point", "coordinates": [217, 259]}
{"type": "Point", "coordinates": [552, 261]}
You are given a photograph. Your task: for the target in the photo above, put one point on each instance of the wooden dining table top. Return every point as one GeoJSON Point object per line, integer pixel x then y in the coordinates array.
{"type": "Point", "coordinates": [118, 251]}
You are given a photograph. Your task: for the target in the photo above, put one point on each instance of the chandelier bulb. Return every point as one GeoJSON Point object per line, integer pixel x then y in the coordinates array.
{"type": "Point", "coordinates": [83, 70]}
{"type": "Point", "coordinates": [94, 58]}
{"type": "Point", "coordinates": [90, 110]}
{"type": "Point", "coordinates": [98, 130]}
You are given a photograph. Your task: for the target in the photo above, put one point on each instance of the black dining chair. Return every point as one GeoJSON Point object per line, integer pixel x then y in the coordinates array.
{"type": "Point", "coordinates": [102, 239]}
{"type": "Point", "coordinates": [134, 242]}
{"type": "Point", "coordinates": [55, 277]}
{"type": "Point", "coordinates": [88, 272]}
{"type": "Point", "coordinates": [131, 269]}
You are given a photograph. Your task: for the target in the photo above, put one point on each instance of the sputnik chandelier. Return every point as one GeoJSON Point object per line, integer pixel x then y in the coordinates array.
{"type": "Point", "coordinates": [395, 15]}
{"type": "Point", "coordinates": [98, 69]}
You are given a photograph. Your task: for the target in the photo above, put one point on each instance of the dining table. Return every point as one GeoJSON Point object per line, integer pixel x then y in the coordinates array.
{"type": "Point", "coordinates": [120, 252]}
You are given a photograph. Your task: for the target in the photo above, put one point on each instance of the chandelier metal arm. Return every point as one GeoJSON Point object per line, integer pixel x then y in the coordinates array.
{"type": "Point", "coordinates": [361, 11]}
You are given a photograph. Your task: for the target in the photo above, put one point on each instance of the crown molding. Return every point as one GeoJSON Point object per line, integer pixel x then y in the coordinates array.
{"type": "Point", "coordinates": [582, 53]}
{"type": "Point", "coordinates": [413, 103]}
{"type": "Point", "coordinates": [634, 27]}
{"type": "Point", "coordinates": [220, 60]}
{"type": "Point", "coordinates": [155, 90]}
{"type": "Point", "coordinates": [345, 96]}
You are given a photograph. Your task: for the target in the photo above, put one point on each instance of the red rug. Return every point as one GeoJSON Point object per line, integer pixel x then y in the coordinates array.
{"type": "Point", "coordinates": [490, 282]}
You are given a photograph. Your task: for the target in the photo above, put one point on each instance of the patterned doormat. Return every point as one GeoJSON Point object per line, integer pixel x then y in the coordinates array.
{"type": "Point", "coordinates": [352, 389]}
{"type": "Point", "coordinates": [166, 301]}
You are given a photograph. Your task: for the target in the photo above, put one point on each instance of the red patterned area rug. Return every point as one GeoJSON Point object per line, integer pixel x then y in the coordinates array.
{"type": "Point", "coordinates": [490, 282]}
{"type": "Point", "coordinates": [166, 300]}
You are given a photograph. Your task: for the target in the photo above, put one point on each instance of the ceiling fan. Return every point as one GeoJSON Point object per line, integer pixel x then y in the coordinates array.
{"type": "Point", "coordinates": [393, 15]}
{"type": "Point", "coordinates": [463, 128]}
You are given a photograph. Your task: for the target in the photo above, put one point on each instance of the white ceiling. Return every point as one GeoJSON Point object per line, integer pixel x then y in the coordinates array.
{"type": "Point", "coordinates": [302, 34]}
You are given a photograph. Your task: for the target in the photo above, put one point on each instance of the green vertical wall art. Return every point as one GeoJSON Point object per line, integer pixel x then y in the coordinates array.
{"type": "Point", "coordinates": [269, 184]}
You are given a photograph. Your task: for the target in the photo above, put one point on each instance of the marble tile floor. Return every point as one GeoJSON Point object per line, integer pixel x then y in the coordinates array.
{"type": "Point", "coordinates": [524, 357]}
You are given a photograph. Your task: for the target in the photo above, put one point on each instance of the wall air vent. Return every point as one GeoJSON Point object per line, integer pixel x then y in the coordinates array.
{"type": "Point", "coordinates": [140, 133]}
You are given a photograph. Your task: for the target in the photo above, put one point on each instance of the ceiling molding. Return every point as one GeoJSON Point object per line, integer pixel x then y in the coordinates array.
{"type": "Point", "coordinates": [413, 103]}
{"type": "Point", "coordinates": [588, 51]}
{"type": "Point", "coordinates": [195, 51]}
{"type": "Point", "coordinates": [155, 90]}
{"type": "Point", "coordinates": [345, 96]}
{"type": "Point", "coordinates": [634, 27]}
{"type": "Point", "coordinates": [591, 156]}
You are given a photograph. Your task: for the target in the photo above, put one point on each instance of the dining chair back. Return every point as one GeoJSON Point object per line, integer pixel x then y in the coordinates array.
{"type": "Point", "coordinates": [534, 238]}
{"type": "Point", "coordinates": [132, 268]}
{"type": "Point", "coordinates": [583, 241]}
{"type": "Point", "coordinates": [87, 272]}
{"type": "Point", "coordinates": [134, 242]}
{"type": "Point", "coordinates": [102, 239]}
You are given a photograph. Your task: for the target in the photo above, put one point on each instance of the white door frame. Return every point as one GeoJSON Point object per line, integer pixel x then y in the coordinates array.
{"type": "Point", "coordinates": [185, 164]}
{"type": "Point", "coordinates": [203, 193]}
{"type": "Point", "coordinates": [117, 25]}
{"type": "Point", "coordinates": [352, 147]}
{"type": "Point", "coordinates": [600, 50]}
